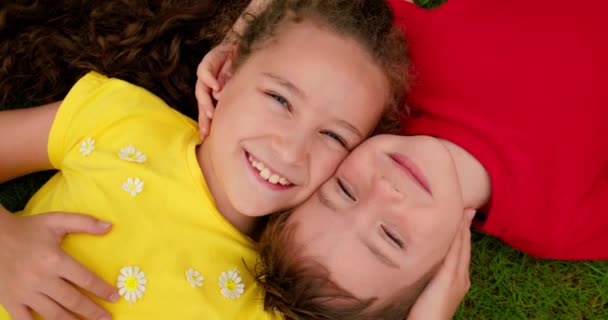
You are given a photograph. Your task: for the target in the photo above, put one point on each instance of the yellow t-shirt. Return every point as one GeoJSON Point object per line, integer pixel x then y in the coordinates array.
{"type": "Point", "coordinates": [124, 156]}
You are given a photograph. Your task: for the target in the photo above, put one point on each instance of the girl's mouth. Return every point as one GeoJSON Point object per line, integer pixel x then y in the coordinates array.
{"type": "Point", "coordinates": [266, 175]}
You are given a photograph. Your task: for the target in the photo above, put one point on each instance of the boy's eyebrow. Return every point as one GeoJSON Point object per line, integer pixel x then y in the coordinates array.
{"type": "Point", "coordinates": [384, 259]}
{"type": "Point", "coordinates": [286, 84]}
{"type": "Point", "coordinates": [325, 201]}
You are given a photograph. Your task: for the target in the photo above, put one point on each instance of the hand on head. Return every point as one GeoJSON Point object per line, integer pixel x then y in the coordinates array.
{"type": "Point", "coordinates": [212, 73]}
{"type": "Point", "coordinates": [448, 287]}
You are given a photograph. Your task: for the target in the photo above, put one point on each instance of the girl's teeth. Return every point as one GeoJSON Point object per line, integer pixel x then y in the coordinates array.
{"type": "Point", "coordinates": [274, 179]}
{"type": "Point", "coordinates": [266, 174]}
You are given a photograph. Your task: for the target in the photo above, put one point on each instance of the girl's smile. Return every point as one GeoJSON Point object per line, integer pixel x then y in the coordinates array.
{"type": "Point", "coordinates": [266, 175]}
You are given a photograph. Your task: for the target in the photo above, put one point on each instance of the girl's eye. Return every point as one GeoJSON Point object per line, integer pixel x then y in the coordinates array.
{"type": "Point", "coordinates": [394, 239]}
{"type": "Point", "coordinates": [280, 100]}
{"type": "Point", "coordinates": [345, 190]}
{"type": "Point", "coordinates": [336, 137]}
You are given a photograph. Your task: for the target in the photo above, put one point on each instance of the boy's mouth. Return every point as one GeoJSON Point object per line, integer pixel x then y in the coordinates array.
{"type": "Point", "coordinates": [265, 173]}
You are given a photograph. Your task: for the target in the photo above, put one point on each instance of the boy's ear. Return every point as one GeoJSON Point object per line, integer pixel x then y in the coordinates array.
{"type": "Point", "coordinates": [223, 78]}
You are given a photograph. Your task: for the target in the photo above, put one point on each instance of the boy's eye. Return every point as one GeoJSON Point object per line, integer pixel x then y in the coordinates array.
{"type": "Point", "coordinates": [345, 190]}
{"type": "Point", "coordinates": [336, 137]}
{"type": "Point", "coordinates": [393, 238]}
{"type": "Point", "coordinates": [280, 99]}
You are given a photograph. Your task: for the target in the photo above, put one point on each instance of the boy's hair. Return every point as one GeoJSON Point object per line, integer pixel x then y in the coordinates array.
{"type": "Point", "coordinates": [368, 22]}
{"type": "Point", "coordinates": [300, 288]}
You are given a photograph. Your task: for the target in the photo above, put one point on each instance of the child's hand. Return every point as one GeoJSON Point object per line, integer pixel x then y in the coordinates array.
{"type": "Point", "coordinates": [36, 275]}
{"type": "Point", "coordinates": [212, 73]}
{"type": "Point", "coordinates": [441, 298]}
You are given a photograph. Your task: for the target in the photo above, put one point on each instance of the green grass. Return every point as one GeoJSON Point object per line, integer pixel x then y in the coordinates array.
{"type": "Point", "coordinates": [429, 4]}
{"type": "Point", "coordinates": [507, 284]}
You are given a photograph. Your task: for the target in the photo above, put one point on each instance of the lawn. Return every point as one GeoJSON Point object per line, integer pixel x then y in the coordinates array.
{"type": "Point", "coordinates": [506, 284]}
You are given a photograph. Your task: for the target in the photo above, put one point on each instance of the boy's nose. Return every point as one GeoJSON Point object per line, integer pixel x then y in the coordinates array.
{"type": "Point", "coordinates": [387, 192]}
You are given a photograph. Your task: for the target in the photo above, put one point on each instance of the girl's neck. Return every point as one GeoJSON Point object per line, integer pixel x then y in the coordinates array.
{"type": "Point", "coordinates": [245, 224]}
{"type": "Point", "coordinates": [474, 179]}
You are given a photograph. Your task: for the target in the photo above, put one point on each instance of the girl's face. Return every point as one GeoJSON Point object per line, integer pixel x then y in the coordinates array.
{"type": "Point", "coordinates": [387, 216]}
{"type": "Point", "coordinates": [289, 116]}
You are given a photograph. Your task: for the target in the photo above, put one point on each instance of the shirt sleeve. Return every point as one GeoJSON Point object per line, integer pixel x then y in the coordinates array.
{"type": "Point", "coordinates": [72, 117]}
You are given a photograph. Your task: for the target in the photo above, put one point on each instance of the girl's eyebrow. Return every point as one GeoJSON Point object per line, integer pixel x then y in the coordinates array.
{"type": "Point", "coordinates": [350, 127]}
{"type": "Point", "coordinates": [286, 84]}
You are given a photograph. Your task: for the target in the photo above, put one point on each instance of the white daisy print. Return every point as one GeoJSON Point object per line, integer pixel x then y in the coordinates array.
{"type": "Point", "coordinates": [133, 186]}
{"type": "Point", "coordinates": [129, 153]}
{"type": "Point", "coordinates": [231, 284]}
{"type": "Point", "coordinates": [131, 283]}
{"type": "Point", "coordinates": [194, 278]}
{"type": "Point", "coordinates": [87, 146]}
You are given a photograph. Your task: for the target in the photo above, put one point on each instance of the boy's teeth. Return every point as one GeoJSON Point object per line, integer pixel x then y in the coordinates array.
{"type": "Point", "coordinates": [266, 174]}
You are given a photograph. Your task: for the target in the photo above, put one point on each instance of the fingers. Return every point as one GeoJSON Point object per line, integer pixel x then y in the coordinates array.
{"type": "Point", "coordinates": [205, 83]}
{"type": "Point", "coordinates": [18, 313]}
{"type": "Point", "coordinates": [82, 277]}
{"type": "Point", "coordinates": [465, 249]}
{"type": "Point", "coordinates": [202, 91]}
{"type": "Point", "coordinates": [72, 299]}
{"type": "Point", "coordinates": [226, 72]}
{"type": "Point", "coordinates": [49, 309]}
{"type": "Point", "coordinates": [213, 61]}
{"type": "Point", "coordinates": [205, 107]}
{"type": "Point", "coordinates": [64, 223]}
{"type": "Point", "coordinates": [204, 124]}
{"type": "Point", "coordinates": [453, 257]}
{"type": "Point", "coordinates": [208, 79]}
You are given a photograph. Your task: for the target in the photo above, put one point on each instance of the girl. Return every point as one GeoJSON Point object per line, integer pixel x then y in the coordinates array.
{"type": "Point", "coordinates": [185, 213]}
{"type": "Point", "coordinates": [490, 104]}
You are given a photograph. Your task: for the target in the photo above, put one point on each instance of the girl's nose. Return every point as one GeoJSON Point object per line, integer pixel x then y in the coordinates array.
{"type": "Point", "coordinates": [292, 148]}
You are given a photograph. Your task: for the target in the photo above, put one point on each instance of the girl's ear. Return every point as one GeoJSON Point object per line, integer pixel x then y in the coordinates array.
{"type": "Point", "coordinates": [223, 77]}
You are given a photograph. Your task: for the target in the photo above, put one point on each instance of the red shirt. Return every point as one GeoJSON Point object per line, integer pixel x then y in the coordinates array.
{"type": "Point", "coordinates": [523, 86]}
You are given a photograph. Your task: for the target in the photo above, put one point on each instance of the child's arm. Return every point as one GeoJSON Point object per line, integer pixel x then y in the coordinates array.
{"type": "Point", "coordinates": [24, 136]}
{"type": "Point", "coordinates": [35, 274]}
{"type": "Point", "coordinates": [214, 69]}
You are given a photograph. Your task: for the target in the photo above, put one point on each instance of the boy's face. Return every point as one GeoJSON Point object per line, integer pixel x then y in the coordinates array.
{"type": "Point", "coordinates": [289, 116]}
{"type": "Point", "coordinates": [386, 217]}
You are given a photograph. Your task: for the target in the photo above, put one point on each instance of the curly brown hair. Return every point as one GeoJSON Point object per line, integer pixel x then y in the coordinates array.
{"type": "Point", "coordinates": [45, 46]}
